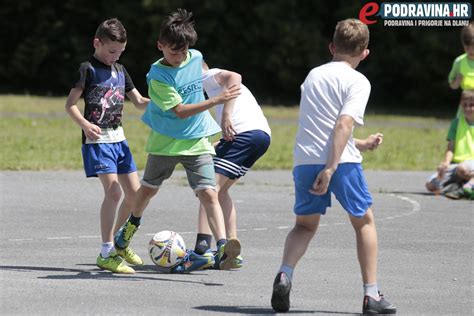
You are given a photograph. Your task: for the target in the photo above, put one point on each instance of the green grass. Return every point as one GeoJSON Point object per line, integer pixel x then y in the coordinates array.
{"type": "Point", "coordinates": [38, 135]}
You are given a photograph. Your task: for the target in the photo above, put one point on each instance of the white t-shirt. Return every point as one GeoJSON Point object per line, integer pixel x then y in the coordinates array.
{"type": "Point", "coordinates": [247, 114]}
{"type": "Point", "coordinates": [329, 91]}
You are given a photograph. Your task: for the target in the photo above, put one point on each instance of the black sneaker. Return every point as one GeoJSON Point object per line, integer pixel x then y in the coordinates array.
{"type": "Point", "coordinates": [382, 306]}
{"type": "Point", "coordinates": [281, 293]}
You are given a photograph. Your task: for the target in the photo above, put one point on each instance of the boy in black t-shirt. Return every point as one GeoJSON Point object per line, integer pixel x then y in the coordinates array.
{"type": "Point", "coordinates": [105, 152]}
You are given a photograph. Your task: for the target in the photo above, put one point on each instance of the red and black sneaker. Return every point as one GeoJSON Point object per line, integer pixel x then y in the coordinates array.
{"type": "Point", "coordinates": [281, 293]}
{"type": "Point", "coordinates": [381, 306]}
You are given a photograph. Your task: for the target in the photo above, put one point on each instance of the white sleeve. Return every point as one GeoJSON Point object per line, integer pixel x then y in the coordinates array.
{"type": "Point", "coordinates": [356, 100]}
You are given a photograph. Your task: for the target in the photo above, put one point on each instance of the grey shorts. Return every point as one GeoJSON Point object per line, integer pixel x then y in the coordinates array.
{"type": "Point", "coordinates": [199, 170]}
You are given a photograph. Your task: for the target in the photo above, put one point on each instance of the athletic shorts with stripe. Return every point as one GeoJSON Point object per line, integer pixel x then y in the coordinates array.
{"type": "Point", "coordinates": [234, 158]}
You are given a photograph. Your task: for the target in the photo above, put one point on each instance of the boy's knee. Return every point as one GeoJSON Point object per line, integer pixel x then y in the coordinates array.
{"type": "Point", "coordinates": [114, 194]}
{"type": "Point", "coordinates": [207, 196]}
{"type": "Point", "coordinates": [145, 192]}
{"type": "Point", "coordinates": [462, 172]}
{"type": "Point", "coordinates": [430, 186]}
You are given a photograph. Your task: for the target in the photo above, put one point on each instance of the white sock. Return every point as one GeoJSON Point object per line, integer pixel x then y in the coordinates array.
{"type": "Point", "coordinates": [106, 249]}
{"type": "Point", "coordinates": [287, 270]}
{"type": "Point", "coordinates": [371, 290]}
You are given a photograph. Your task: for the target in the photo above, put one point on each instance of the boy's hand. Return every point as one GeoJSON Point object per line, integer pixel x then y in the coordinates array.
{"type": "Point", "coordinates": [374, 140]}
{"type": "Point", "coordinates": [442, 170]}
{"type": "Point", "coordinates": [456, 83]}
{"type": "Point", "coordinates": [92, 131]}
{"type": "Point", "coordinates": [228, 94]}
{"type": "Point", "coordinates": [370, 143]}
{"type": "Point", "coordinates": [228, 131]}
{"type": "Point", "coordinates": [321, 184]}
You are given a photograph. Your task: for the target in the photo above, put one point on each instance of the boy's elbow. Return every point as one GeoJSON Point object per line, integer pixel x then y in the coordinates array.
{"type": "Point", "coordinates": [180, 112]}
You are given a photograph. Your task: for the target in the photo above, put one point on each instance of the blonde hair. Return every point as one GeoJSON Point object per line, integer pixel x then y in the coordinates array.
{"type": "Point", "coordinates": [351, 37]}
{"type": "Point", "coordinates": [467, 95]}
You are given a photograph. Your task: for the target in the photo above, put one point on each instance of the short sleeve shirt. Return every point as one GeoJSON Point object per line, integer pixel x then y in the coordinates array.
{"type": "Point", "coordinates": [329, 91]}
{"type": "Point", "coordinates": [104, 92]}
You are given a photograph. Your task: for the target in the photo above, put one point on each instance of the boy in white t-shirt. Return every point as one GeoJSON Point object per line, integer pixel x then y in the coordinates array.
{"type": "Point", "coordinates": [245, 138]}
{"type": "Point", "coordinates": [327, 160]}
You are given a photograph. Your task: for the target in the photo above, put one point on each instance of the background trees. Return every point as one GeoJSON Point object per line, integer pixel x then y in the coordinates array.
{"type": "Point", "coordinates": [272, 43]}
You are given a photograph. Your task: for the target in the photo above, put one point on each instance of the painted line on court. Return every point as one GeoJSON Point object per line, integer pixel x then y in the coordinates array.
{"type": "Point", "coordinates": [416, 207]}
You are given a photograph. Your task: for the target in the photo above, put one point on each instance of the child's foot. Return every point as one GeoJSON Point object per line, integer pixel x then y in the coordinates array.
{"type": "Point", "coordinates": [130, 256]}
{"type": "Point", "coordinates": [381, 306]}
{"type": "Point", "coordinates": [238, 262]}
{"type": "Point", "coordinates": [114, 263]}
{"type": "Point", "coordinates": [227, 253]}
{"type": "Point", "coordinates": [192, 262]}
{"type": "Point", "coordinates": [124, 235]}
{"type": "Point", "coordinates": [468, 189]}
{"type": "Point", "coordinates": [281, 293]}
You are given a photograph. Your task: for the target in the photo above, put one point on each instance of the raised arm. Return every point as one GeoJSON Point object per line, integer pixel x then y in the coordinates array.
{"type": "Point", "coordinates": [186, 110]}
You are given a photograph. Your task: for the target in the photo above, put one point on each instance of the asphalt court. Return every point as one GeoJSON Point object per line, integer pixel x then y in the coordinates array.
{"type": "Point", "coordinates": [50, 240]}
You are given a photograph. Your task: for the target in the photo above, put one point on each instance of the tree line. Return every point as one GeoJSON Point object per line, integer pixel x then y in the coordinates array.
{"type": "Point", "coordinates": [272, 43]}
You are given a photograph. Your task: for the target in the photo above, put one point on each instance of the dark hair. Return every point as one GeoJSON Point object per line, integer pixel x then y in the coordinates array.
{"type": "Point", "coordinates": [351, 37]}
{"type": "Point", "coordinates": [177, 30]}
{"type": "Point", "coordinates": [113, 30]}
{"type": "Point", "coordinates": [467, 35]}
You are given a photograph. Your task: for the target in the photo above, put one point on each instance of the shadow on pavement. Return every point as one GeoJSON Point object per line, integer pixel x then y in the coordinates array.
{"type": "Point", "coordinates": [87, 274]}
{"type": "Point", "coordinates": [255, 310]}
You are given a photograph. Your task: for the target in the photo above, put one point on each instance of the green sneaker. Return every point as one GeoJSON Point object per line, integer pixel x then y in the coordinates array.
{"type": "Point", "coordinates": [130, 256]}
{"type": "Point", "coordinates": [124, 235]}
{"type": "Point", "coordinates": [114, 263]}
{"type": "Point", "coordinates": [227, 253]}
{"type": "Point", "coordinates": [238, 262]}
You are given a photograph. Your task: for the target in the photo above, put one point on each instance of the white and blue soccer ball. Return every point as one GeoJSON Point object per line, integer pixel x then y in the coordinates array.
{"type": "Point", "coordinates": [167, 249]}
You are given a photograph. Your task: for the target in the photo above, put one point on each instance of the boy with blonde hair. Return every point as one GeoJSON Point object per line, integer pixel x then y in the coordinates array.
{"type": "Point", "coordinates": [327, 160]}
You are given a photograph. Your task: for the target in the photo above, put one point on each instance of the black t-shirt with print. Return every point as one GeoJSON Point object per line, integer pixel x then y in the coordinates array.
{"type": "Point", "coordinates": [104, 92]}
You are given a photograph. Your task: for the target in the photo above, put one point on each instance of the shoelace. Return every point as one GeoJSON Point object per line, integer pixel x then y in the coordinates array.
{"type": "Point", "coordinates": [129, 231]}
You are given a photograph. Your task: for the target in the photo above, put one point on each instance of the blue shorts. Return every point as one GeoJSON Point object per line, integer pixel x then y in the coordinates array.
{"type": "Point", "coordinates": [107, 158]}
{"type": "Point", "coordinates": [234, 158]}
{"type": "Point", "coordinates": [347, 184]}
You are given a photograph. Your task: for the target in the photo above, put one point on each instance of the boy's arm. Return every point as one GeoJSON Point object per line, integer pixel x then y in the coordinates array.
{"type": "Point", "coordinates": [227, 78]}
{"type": "Point", "coordinates": [455, 77]}
{"type": "Point", "coordinates": [186, 110]}
{"type": "Point", "coordinates": [341, 133]}
{"type": "Point", "coordinates": [370, 143]}
{"type": "Point", "coordinates": [91, 131]}
{"type": "Point", "coordinates": [448, 157]}
{"type": "Point", "coordinates": [137, 99]}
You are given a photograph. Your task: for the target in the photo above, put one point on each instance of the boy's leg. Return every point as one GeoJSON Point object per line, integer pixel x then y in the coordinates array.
{"type": "Point", "coordinates": [227, 205]}
{"type": "Point", "coordinates": [298, 238]}
{"type": "Point", "coordinates": [366, 237]}
{"type": "Point", "coordinates": [157, 169]}
{"type": "Point", "coordinates": [130, 185]}
{"type": "Point", "coordinates": [126, 232]}
{"type": "Point", "coordinates": [108, 259]}
{"type": "Point", "coordinates": [296, 244]}
{"type": "Point", "coordinates": [112, 196]}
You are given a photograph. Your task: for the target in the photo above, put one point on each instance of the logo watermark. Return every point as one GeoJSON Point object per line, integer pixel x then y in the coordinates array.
{"type": "Point", "coordinates": [417, 13]}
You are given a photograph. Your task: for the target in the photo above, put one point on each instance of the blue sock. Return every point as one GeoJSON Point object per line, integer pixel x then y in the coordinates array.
{"type": "Point", "coordinates": [287, 270]}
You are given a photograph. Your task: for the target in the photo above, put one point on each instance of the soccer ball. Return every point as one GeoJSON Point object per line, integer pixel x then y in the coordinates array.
{"type": "Point", "coordinates": [167, 249]}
